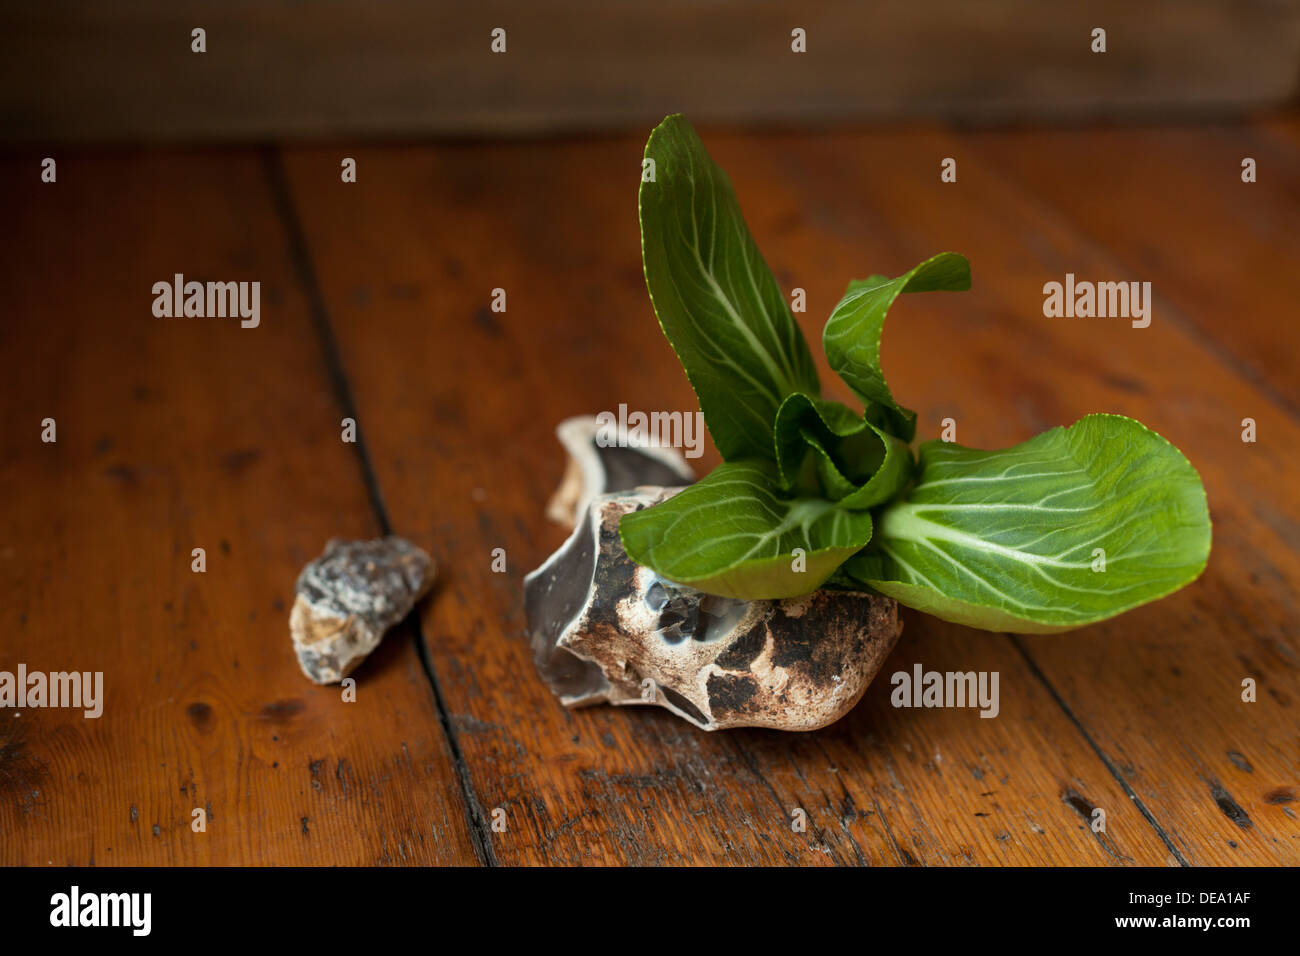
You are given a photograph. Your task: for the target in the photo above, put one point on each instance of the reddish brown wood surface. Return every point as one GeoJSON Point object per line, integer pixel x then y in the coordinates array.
{"type": "Point", "coordinates": [177, 432]}
{"type": "Point", "coordinates": [1158, 690]}
{"type": "Point", "coordinates": [172, 435]}
{"type": "Point", "coordinates": [418, 68]}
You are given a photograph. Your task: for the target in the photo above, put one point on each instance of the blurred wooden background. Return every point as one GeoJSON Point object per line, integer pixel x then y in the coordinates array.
{"type": "Point", "coordinates": [282, 68]}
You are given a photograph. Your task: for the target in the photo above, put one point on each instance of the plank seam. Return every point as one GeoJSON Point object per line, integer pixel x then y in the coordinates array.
{"type": "Point", "coordinates": [1101, 755]}
{"type": "Point", "coordinates": [304, 269]}
{"type": "Point", "coordinates": [1242, 368]}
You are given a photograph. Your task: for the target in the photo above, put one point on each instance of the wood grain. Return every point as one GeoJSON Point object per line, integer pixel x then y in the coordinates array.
{"type": "Point", "coordinates": [458, 405]}
{"type": "Point", "coordinates": [175, 434]}
{"type": "Point", "coordinates": [1158, 690]}
{"type": "Point", "coordinates": [279, 68]}
{"type": "Point", "coordinates": [1171, 207]}
{"type": "Point", "coordinates": [182, 433]}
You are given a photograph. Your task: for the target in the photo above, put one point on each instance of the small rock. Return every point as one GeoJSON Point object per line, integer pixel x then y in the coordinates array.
{"type": "Point", "coordinates": [349, 597]}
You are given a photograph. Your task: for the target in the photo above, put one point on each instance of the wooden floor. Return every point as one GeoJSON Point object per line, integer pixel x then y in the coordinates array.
{"type": "Point", "coordinates": [182, 433]}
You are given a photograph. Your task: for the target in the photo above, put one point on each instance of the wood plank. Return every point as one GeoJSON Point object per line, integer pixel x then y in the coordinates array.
{"type": "Point", "coordinates": [276, 68]}
{"type": "Point", "coordinates": [1170, 205]}
{"type": "Point", "coordinates": [1281, 128]}
{"type": "Point", "coordinates": [1159, 689]}
{"type": "Point", "coordinates": [458, 405]}
{"type": "Point", "coordinates": [175, 434]}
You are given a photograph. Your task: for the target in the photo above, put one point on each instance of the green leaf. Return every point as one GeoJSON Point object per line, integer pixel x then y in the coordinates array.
{"type": "Point", "coordinates": [852, 334]}
{"type": "Point", "coordinates": [715, 297]}
{"type": "Point", "coordinates": [731, 534]}
{"type": "Point", "coordinates": [1006, 540]}
{"type": "Point", "coordinates": [856, 463]}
